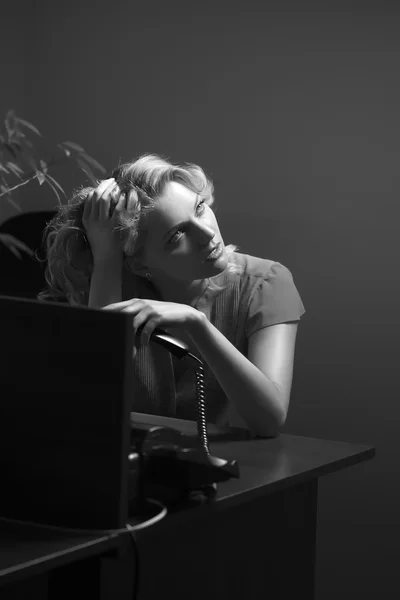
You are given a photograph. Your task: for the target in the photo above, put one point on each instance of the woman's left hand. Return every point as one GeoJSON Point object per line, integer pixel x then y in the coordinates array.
{"type": "Point", "coordinates": [155, 313]}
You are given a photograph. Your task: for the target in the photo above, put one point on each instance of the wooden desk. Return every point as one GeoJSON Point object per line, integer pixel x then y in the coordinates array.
{"type": "Point", "coordinates": [257, 538]}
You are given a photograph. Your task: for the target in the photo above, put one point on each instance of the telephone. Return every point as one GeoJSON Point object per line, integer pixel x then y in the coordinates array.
{"type": "Point", "coordinates": [165, 463]}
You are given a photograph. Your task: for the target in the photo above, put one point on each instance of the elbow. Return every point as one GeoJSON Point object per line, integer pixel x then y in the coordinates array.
{"type": "Point", "coordinates": [275, 418]}
{"type": "Point", "coordinates": [282, 418]}
{"type": "Point", "coordinates": [267, 432]}
{"type": "Point", "coordinates": [272, 428]}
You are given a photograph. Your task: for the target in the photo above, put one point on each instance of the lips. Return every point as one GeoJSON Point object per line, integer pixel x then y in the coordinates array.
{"type": "Point", "coordinates": [212, 250]}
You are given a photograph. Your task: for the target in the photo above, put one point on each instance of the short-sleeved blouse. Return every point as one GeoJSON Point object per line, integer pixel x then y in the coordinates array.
{"type": "Point", "coordinates": [263, 294]}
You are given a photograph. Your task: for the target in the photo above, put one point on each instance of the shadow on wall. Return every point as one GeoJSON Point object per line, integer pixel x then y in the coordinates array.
{"type": "Point", "coordinates": [24, 277]}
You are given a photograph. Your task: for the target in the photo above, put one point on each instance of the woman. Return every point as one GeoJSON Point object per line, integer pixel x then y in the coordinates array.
{"type": "Point", "coordinates": [146, 241]}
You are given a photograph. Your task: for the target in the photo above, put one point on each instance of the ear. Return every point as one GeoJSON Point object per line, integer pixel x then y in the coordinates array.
{"type": "Point", "coordinates": [135, 265]}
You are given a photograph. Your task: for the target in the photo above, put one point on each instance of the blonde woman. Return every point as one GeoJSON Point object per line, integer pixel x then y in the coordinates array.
{"type": "Point", "coordinates": [146, 241]}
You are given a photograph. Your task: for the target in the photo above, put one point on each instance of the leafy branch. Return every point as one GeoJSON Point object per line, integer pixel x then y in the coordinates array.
{"type": "Point", "coordinates": [21, 162]}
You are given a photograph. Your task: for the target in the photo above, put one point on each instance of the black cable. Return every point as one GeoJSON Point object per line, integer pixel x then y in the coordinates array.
{"type": "Point", "coordinates": [136, 570]}
{"type": "Point", "coordinates": [136, 573]}
{"type": "Point", "coordinates": [130, 528]}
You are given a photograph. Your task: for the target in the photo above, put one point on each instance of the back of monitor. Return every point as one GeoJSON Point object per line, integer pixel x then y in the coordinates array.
{"type": "Point", "coordinates": [65, 394]}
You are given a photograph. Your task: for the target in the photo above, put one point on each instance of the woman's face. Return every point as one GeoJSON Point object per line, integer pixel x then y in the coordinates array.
{"type": "Point", "coordinates": [181, 231]}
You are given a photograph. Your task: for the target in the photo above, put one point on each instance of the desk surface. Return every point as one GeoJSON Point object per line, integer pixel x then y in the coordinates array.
{"type": "Point", "coordinates": [266, 466]}
{"type": "Point", "coordinates": [270, 465]}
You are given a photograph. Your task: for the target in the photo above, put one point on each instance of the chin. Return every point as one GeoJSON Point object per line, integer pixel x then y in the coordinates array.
{"type": "Point", "coordinates": [220, 264]}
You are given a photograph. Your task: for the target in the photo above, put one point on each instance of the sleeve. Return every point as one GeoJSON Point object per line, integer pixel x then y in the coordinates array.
{"type": "Point", "coordinates": [274, 300]}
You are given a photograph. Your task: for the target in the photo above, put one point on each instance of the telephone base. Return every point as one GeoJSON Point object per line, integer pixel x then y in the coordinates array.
{"type": "Point", "coordinates": [169, 466]}
{"type": "Point", "coordinates": [174, 498]}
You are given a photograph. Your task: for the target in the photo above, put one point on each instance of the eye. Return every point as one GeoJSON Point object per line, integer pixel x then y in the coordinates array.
{"type": "Point", "coordinates": [200, 204]}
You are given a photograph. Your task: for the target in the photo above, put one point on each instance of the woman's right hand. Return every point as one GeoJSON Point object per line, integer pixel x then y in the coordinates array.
{"type": "Point", "coordinates": [99, 221]}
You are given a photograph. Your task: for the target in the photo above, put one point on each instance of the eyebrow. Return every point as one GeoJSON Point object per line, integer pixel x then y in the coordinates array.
{"type": "Point", "coordinates": [179, 225]}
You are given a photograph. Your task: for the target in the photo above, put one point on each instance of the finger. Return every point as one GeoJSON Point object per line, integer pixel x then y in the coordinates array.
{"type": "Point", "coordinates": [120, 305]}
{"type": "Point", "coordinates": [130, 202]}
{"type": "Point", "coordinates": [87, 207]}
{"type": "Point", "coordinates": [103, 186]}
{"type": "Point", "coordinates": [103, 204]}
{"type": "Point", "coordinates": [106, 198]}
{"type": "Point", "coordinates": [107, 189]}
{"type": "Point", "coordinates": [102, 200]}
{"type": "Point", "coordinates": [97, 197]}
{"type": "Point", "coordinates": [145, 335]}
{"type": "Point", "coordinates": [142, 328]}
{"type": "Point", "coordinates": [117, 198]}
{"type": "Point", "coordinates": [115, 306]}
{"type": "Point", "coordinates": [94, 210]}
{"type": "Point", "coordinates": [116, 209]}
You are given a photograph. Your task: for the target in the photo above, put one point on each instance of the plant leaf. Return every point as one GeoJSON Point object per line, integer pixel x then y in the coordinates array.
{"type": "Point", "coordinates": [55, 183]}
{"type": "Point", "coordinates": [30, 160]}
{"type": "Point", "coordinates": [41, 177]}
{"type": "Point", "coordinates": [13, 243]}
{"type": "Point", "coordinates": [14, 204]}
{"type": "Point", "coordinates": [87, 170]}
{"type": "Point", "coordinates": [44, 166]}
{"type": "Point", "coordinates": [74, 146]}
{"type": "Point", "coordinates": [8, 245]}
{"type": "Point", "coordinates": [93, 162]}
{"type": "Point", "coordinates": [29, 125]}
{"type": "Point", "coordinates": [16, 169]}
{"type": "Point", "coordinates": [67, 152]}
{"type": "Point", "coordinates": [4, 190]}
{"type": "Point", "coordinates": [54, 190]}
{"type": "Point", "coordinates": [11, 150]}
{"type": "Point", "coordinates": [11, 123]}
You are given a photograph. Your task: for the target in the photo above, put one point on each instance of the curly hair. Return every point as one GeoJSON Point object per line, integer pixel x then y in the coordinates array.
{"type": "Point", "coordinates": [68, 253]}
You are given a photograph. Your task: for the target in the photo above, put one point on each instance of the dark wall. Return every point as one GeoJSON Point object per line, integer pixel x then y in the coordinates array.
{"type": "Point", "coordinates": [12, 54]}
{"type": "Point", "coordinates": [14, 34]}
{"type": "Point", "coordinates": [294, 112]}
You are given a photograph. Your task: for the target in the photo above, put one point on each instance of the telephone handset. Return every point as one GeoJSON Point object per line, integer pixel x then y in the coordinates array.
{"type": "Point", "coordinates": [177, 347]}
{"type": "Point", "coordinates": [172, 468]}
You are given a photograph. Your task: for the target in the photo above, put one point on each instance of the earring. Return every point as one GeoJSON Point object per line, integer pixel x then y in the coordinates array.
{"type": "Point", "coordinates": [148, 276]}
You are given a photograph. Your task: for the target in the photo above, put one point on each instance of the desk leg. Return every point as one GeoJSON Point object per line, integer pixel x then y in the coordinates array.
{"type": "Point", "coordinates": [33, 587]}
{"type": "Point", "coordinates": [266, 548]}
{"type": "Point", "coordinates": [298, 541]}
{"type": "Point", "coordinates": [79, 579]}
{"type": "Point", "coordinates": [108, 576]}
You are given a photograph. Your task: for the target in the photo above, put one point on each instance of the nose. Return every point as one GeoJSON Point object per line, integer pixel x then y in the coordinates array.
{"type": "Point", "coordinates": [205, 234]}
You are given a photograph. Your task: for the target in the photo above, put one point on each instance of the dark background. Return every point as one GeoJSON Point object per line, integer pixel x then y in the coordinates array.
{"type": "Point", "coordinates": [293, 109]}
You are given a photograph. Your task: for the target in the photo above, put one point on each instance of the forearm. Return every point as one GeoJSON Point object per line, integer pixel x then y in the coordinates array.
{"type": "Point", "coordinates": [105, 283]}
{"type": "Point", "coordinates": [255, 397]}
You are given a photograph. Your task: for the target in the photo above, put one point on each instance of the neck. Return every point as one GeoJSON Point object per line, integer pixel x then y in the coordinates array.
{"type": "Point", "coordinates": [182, 293]}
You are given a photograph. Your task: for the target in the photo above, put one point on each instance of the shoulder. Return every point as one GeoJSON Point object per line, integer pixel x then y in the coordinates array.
{"type": "Point", "coordinates": [251, 284]}
{"type": "Point", "coordinates": [269, 293]}
{"type": "Point", "coordinates": [254, 269]}
{"type": "Point", "coordinates": [253, 266]}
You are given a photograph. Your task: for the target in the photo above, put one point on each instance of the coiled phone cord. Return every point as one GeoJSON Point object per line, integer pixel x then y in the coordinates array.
{"type": "Point", "coordinates": [201, 405]}
{"type": "Point", "coordinates": [206, 492]}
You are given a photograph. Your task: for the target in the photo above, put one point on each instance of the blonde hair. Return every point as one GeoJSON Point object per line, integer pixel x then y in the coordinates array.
{"type": "Point", "coordinates": [68, 254]}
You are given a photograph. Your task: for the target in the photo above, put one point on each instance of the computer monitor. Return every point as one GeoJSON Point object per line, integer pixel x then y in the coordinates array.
{"type": "Point", "coordinates": [65, 397]}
